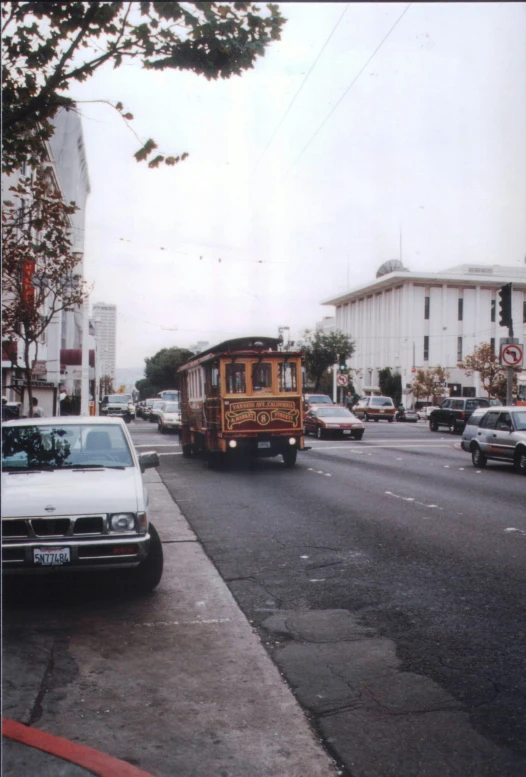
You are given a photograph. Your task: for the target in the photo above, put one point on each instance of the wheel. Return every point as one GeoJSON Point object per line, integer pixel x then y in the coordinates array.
{"type": "Point", "coordinates": [357, 435]}
{"type": "Point", "coordinates": [148, 574]}
{"type": "Point", "coordinates": [187, 451]}
{"type": "Point", "coordinates": [376, 420]}
{"type": "Point", "coordinates": [433, 426]}
{"type": "Point", "coordinates": [520, 461]}
{"type": "Point", "coordinates": [319, 433]}
{"type": "Point", "coordinates": [160, 428]}
{"type": "Point", "coordinates": [478, 458]}
{"type": "Point", "coordinates": [366, 417]}
{"type": "Point", "coordinates": [289, 457]}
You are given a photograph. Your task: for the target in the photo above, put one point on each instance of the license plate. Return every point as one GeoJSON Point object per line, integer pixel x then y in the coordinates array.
{"type": "Point", "coordinates": [51, 557]}
{"type": "Point", "coordinates": [263, 445]}
{"type": "Point", "coordinates": [346, 431]}
{"type": "Point", "coordinates": [382, 411]}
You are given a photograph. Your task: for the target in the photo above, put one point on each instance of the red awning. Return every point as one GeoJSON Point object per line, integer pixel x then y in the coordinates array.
{"type": "Point", "coordinates": [72, 357]}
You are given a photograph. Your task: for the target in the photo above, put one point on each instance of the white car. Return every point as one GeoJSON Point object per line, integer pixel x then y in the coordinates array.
{"type": "Point", "coordinates": [169, 417]}
{"type": "Point", "coordinates": [73, 499]}
{"type": "Point", "coordinates": [423, 413]}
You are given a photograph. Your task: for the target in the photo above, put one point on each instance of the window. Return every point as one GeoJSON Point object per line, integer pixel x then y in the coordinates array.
{"type": "Point", "coordinates": [489, 421]}
{"type": "Point", "coordinates": [426, 348]}
{"type": "Point", "coordinates": [426, 308]}
{"type": "Point", "coordinates": [287, 380]}
{"type": "Point", "coordinates": [493, 308]}
{"type": "Point", "coordinates": [524, 312]}
{"type": "Point", "coordinates": [459, 349]}
{"type": "Point", "coordinates": [262, 376]}
{"type": "Point", "coordinates": [460, 308]}
{"type": "Point", "coordinates": [235, 379]}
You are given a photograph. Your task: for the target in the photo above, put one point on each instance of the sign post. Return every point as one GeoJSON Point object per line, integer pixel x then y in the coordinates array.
{"type": "Point", "coordinates": [511, 356]}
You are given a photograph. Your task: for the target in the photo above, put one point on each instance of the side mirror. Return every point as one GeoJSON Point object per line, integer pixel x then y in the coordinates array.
{"type": "Point", "coordinates": [148, 459]}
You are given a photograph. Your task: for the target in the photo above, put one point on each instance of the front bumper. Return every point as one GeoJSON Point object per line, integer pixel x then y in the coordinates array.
{"type": "Point", "coordinates": [95, 550]}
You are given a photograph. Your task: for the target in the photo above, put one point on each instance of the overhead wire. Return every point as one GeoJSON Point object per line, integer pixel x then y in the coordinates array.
{"type": "Point", "coordinates": [355, 79]}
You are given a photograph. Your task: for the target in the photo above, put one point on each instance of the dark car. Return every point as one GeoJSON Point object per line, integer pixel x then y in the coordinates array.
{"type": "Point", "coordinates": [454, 413]}
{"type": "Point", "coordinates": [334, 420]}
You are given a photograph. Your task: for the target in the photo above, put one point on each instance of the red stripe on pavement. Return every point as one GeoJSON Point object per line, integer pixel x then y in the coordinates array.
{"type": "Point", "coordinates": [99, 763]}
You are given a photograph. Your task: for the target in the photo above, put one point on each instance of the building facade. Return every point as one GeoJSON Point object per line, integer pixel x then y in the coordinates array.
{"type": "Point", "coordinates": [408, 321]}
{"type": "Point", "coordinates": [104, 318]}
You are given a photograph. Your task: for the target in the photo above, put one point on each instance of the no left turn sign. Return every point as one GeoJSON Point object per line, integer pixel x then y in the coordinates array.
{"type": "Point", "coordinates": [342, 380]}
{"type": "Point", "coordinates": [511, 355]}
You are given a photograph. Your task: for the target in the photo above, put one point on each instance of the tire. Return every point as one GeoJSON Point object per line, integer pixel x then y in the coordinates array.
{"type": "Point", "coordinates": [289, 457]}
{"type": "Point", "coordinates": [519, 461]}
{"type": "Point", "coordinates": [160, 428]}
{"type": "Point", "coordinates": [148, 574]}
{"type": "Point", "coordinates": [433, 426]}
{"type": "Point", "coordinates": [357, 435]}
{"type": "Point", "coordinates": [305, 432]}
{"type": "Point", "coordinates": [319, 433]}
{"type": "Point", "coordinates": [478, 458]}
{"type": "Point", "coordinates": [187, 451]}
{"type": "Point", "coordinates": [376, 420]}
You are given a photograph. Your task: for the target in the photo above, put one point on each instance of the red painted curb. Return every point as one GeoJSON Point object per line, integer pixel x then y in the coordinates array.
{"type": "Point", "coordinates": [98, 763]}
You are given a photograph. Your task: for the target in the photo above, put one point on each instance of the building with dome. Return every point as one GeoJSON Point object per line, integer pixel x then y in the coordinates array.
{"type": "Point", "coordinates": [410, 320]}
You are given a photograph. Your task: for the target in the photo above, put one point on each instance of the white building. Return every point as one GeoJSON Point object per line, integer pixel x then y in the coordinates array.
{"type": "Point", "coordinates": [104, 318]}
{"type": "Point", "coordinates": [409, 320]}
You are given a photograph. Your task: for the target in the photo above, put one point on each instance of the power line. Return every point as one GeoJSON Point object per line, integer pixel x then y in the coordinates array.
{"type": "Point", "coordinates": [299, 90]}
{"type": "Point", "coordinates": [326, 119]}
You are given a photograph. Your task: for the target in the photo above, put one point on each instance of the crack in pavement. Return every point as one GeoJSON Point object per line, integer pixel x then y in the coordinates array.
{"type": "Point", "coordinates": [36, 710]}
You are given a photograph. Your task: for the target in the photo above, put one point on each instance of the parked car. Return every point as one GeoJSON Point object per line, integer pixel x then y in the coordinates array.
{"type": "Point", "coordinates": [323, 420]}
{"type": "Point", "coordinates": [423, 413]}
{"type": "Point", "coordinates": [73, 499]}
{"type": "Point", "coordinates": [169, 418]}
{"type": "Point", "coordinates": [471, 427]}
{"type": "Point", "coordinates": [404, 414]}
{"type": "Point", "coordinates": [155, 409]}
{"type": "Point", "coordinates": [453, 413]}
{"type": "Point", "coordinates": [375, 408]}
{"type": "Point", "coordinates": [310, 400]}
{"type": "Point", "coordinates": [501, 436]}
{"type": "Point", "coordinates": [120, 405]}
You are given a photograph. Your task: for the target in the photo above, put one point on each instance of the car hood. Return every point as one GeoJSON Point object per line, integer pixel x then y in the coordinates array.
{"type": "Point", "coordinates": [340, 419]}
{"type": "Point", "coordinates": [72, 492]}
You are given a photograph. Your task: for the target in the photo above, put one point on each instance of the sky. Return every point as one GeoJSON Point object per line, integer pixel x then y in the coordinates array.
{"type": "Point", "coordinates": [369, 132]}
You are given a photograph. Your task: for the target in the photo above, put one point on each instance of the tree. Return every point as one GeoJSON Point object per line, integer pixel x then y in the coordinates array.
{"type": "Point", "coordinates": [39, 269]}
{"type": "Point", "coordinates": [429, 383]}
{"type": "Point", "coordinates": [484, 361]}
{"type": "Point", "coordinates": [390, 384]}
{"type": "Point", "coordinates": [47, 47]}
{"type": "Point", "coordinates": [161, 371]}
{"type": "Point", "coordinates": [322, 350]}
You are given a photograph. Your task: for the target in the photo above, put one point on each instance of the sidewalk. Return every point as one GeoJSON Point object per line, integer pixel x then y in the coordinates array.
{"type": "Point", "coordinates": [226, 710]}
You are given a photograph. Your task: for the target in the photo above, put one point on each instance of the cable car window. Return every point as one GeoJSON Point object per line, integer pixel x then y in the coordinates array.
{"type": "Point", "coordinates": [235, 379]}
{"type": "Point", "coordinates": [261, 376]}
{"type": "Point", "coordinates": [287, 380]}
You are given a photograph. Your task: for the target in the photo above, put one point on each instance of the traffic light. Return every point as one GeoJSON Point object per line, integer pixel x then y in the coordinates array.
{"type": "Point", "coordinates": [343, 363]}
{"type": "Point", "coordinates": [505, 305]}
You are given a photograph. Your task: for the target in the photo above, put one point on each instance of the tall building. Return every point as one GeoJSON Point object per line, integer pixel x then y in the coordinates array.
{"type": "Point", "coordinates": [104, 318]}
{"type": "Point", "coordinates": [410, 320]}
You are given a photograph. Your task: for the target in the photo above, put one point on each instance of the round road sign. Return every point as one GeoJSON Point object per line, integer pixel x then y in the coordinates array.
{"type": "Point", "coordinates": [511, 355]}
{"type": "Point", "coordinates": [342, 380]}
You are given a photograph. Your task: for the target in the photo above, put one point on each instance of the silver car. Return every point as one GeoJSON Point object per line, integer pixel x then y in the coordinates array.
{"type": "Point", "coordinates": [472, 427]}
{"type": "Point", "coordinates": [500, 435]}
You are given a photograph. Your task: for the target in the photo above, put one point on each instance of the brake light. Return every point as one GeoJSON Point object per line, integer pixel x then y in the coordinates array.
{"type": "Point", "coordinates": [462, 416]}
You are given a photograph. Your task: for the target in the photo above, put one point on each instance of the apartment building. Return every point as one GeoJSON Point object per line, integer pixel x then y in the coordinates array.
{"type": "Point", "coordinates": [411, 320]}
{"type": "Point", "coordinates": [104, 318]}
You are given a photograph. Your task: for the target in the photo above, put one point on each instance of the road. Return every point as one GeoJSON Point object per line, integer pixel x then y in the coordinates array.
{"type": "Point", "coordinates": [396, 546]}
{"type": "Point", "coordinates": [385, 578]}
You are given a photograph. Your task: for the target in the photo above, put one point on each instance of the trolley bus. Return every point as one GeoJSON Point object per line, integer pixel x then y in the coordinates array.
{"type": "Point", "coordinates": [169, 395]}
{"type": "Point", "coordinates": [242, 398]}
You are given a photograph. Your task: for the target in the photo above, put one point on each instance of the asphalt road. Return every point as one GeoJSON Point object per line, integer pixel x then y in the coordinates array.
{"type": "Point", "coordinates": [387, 579]}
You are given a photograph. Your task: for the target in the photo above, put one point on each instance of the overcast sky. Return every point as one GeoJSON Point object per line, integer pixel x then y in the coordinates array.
{"type": "Point", "coordinates": [282, 204]}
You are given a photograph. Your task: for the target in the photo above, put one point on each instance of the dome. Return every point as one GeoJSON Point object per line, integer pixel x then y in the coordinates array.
{"type": "Point", "coordinates": [393, 265]}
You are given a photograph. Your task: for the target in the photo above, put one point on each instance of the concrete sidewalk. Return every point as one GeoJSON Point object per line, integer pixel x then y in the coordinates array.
{"type": "Point", "coordinates": [223, 707]}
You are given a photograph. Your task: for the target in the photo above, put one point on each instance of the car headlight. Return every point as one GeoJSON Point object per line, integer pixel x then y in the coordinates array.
{"type": "Point", "coordinates": [120, 522]}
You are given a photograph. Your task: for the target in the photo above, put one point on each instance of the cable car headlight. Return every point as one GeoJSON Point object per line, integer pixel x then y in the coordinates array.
{"type": "Point", "coordinates": [292, 441]}
{"type": "Point", "coordinates": [232, 444]}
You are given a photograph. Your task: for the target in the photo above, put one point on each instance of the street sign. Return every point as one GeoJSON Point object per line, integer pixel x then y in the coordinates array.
{"type": "Point", "coordinates": [511, 355]}
{"type": "Point", "coordinates": [342, 380]}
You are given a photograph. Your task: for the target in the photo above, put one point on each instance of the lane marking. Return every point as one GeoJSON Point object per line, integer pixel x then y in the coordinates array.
{"type": "Point", "coordinates": [413, 500]}
{"type": "Point", "coordinates": [98, 763]}
{"type": "Point", "coordinates": [519, 531]}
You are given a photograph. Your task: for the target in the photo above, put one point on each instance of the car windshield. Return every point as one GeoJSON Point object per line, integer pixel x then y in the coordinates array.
{"type": "Point", "coordinates": [171, 407]}
{"type": "Point", "coordinates": [319, 400]}
{"type": "Point", "coordinates": [519, 418]}
{"type": "Point", "coordinates": [381, 402]}
{"type": "Point", "coordinates": [324, 412]}
{"type": "Point", "coordinates": [64, 446]}
{"type": "Point", "coordinates": [118, 399]}
{"type": "Point", "coordinates": [158, 403]}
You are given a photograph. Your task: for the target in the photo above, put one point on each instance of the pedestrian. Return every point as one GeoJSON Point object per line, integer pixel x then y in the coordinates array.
{"type": "Point", "coordinates": [37, 410]}
{"type": "Point", "coordinates": [348, 400]}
